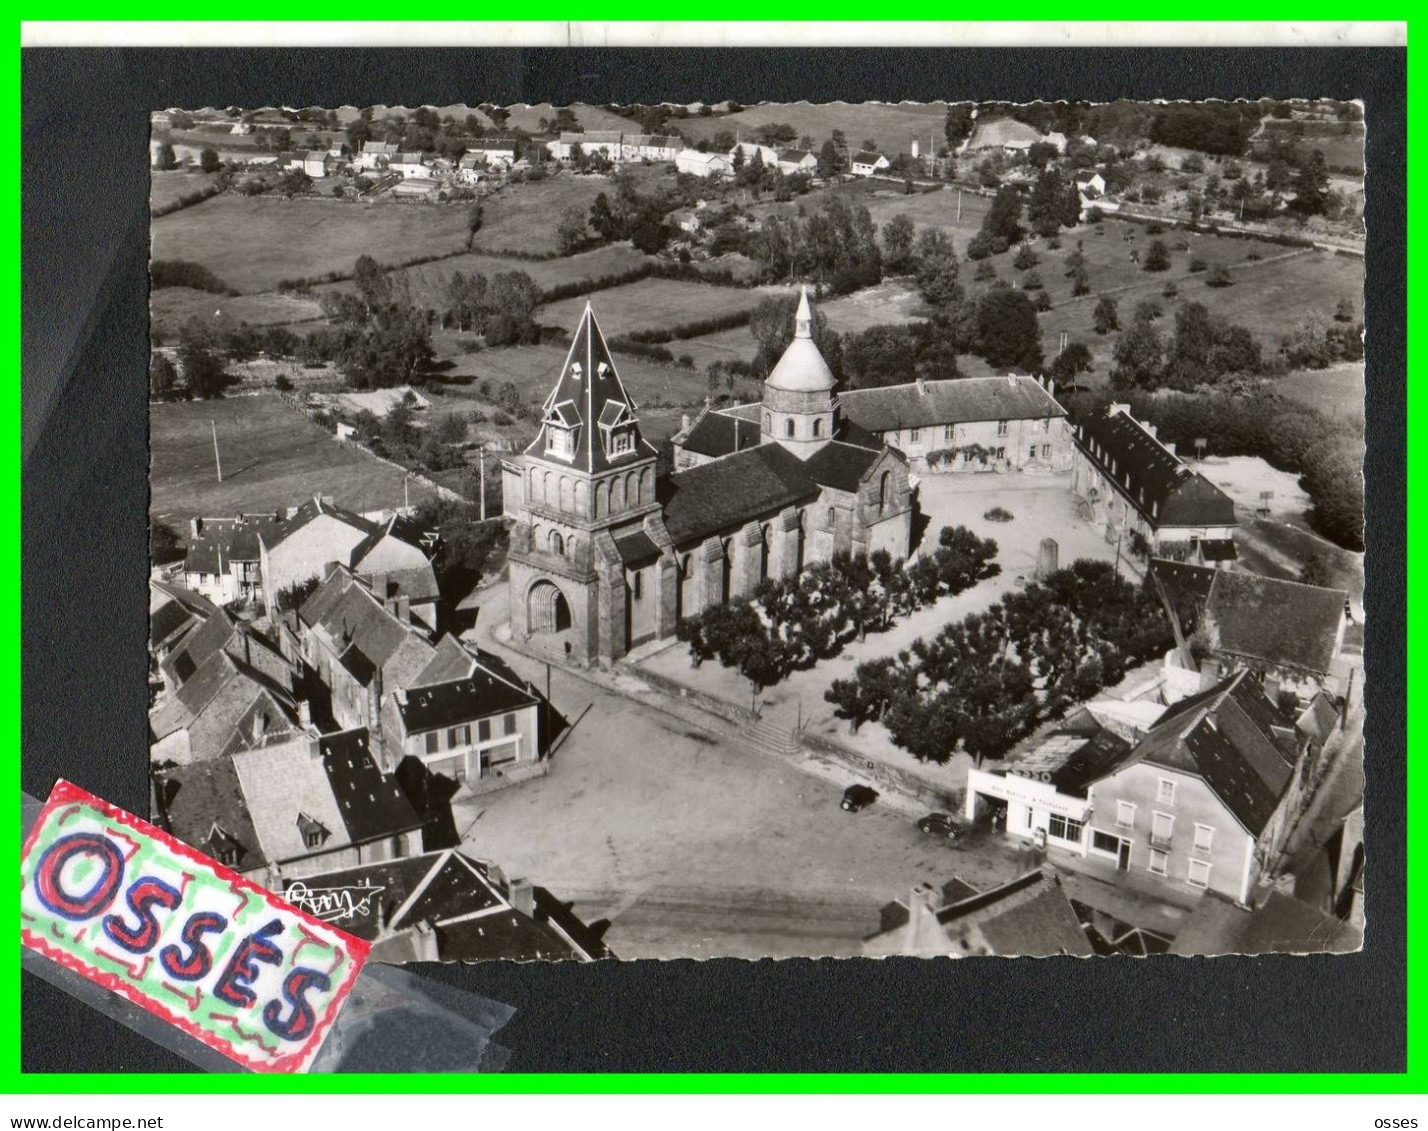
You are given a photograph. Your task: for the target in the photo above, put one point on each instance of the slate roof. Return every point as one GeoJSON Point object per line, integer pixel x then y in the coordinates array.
{"type": "Point", "coordinates": [725, 493]}
{"type": "Point", "coordinates": [438, 705]}
{"type": "Point", "coordinates": [371, 803]}
{"type": "Point", "coordinates": [793, 156]}
{"type": "Point", "coordinates": [310, 510]}
{"type": "Point", "coordinates": [1030, 916]}
{"type": "Point", "coordinates": [959, 400]}
{"type": "Point", "coordinates": [839, 465]}
{"type": "Point", "coordinates": [1154, 481]}
{"type": "Point", "coordinates": [592, 136]}
{"type": "Point", "coordinates": [1233, 737]}
{"type": "Point", "coordinates": [203, 806]}
{"type": "Point", "coordinates": [636, 548]}
{"type": "Point", "coordinates": [866, 157]}
{"type": "Point", "coordinates": [450, 660]}
{"type": "Point", "coordinates": [588, 382]}
{"type": "Point", "coordinates": [225, 540]}
{"type": "Point", "coordinates": [1264, 620]}
{"type": "Point", "coordinates": [381, 148]}
{"type": "Point", "coordinates": [167, 621]}
{"type": "Point", "coordinates": [198, 647]}
{"type": "Point", "coordinates": [717, 434]}
{"type": "Point", "coordinates": [1281, 924]}
{"type": "Point", "coordinates": [344, 612]}
{"type": "Point", "coordinates": [1074, 754]}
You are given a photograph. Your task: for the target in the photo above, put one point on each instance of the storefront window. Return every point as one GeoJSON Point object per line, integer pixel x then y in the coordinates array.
{"type": "Point", "coordinates": [1063, 828]}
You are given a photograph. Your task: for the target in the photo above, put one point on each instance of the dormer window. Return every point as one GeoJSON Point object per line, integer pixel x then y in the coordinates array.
{"type": "Point", "coordinates": [314, 833]}
{"type": "Point", "coordinates": [560, 442]}
{"type": "Point", "coordinates": [622, 442]}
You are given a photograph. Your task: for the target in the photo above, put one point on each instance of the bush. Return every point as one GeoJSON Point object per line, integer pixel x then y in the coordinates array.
{"type": "Point", "coordinates": [282, 384]}
{"type": "Point", "coordinates": [1219, 276]}
{"type": "Point", "coordinates": [182, 273]}
{"type": "Point", "coordinates": [998, 514]}
{"type": "Point", "coordinates": [1197, 265]}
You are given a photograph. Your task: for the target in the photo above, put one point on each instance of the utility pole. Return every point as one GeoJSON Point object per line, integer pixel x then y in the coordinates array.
{"type": "Point", "coordinates": [959, 208]}
{"type": "Point", "coordinates": [406, 492]}
{"type": "Point", "coordinates": [216, 460]}
{"type": "Point", "coordinates": [481, 458]}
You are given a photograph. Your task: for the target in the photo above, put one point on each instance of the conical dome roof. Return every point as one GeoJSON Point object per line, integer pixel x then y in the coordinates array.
{"type": "Point", "coordinates": [802, 369]}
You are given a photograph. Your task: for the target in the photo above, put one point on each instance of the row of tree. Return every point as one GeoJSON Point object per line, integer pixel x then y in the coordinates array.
{"type": "Point", "coordinates": [794, 622]}
{"type": "Point", "coordinates": [983, 683]}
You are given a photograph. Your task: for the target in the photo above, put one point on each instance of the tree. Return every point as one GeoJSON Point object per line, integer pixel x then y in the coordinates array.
{"type": "Point", "coordinates": [650, 234]}
{"type": "Point", "coordinates": [570, 233]}
{"type": "Point", "coordinates": [1344, 311]}
{"type": "Point", "coordinates": [1075, 358]}
{"type": "Point", "coordinates": [1219, 276]}
{"type": "Point", "coordinates": [208, 160]}
{"type": "Point", "coordinates": [164, 157]}
{"type": "Point", "coordinates": [163, 377]}
{"type": "Point", "coordinates": [203, 371]}
{"type": "Point", "coordinates": [1047, 210]}
{"type": "Point", "coordinates": [1025, 259]}
{"type": "Point", "coordinates": [164, 545]}
{"type": "Point", "coordinates": [1147, 310]}
{"type": "Point", "coordinates": [1157, 258]}
{"type": "Point", "coordinates": [830, 164]}
{"type": "Point", "coordinates": [473, 223]}
{"type": "Point", "coordinates": [937, 268]}
{"type": "Point", "coordinates": [1007, 332]}
{"type": "Point", "coordinates": [1139, 355]}
{"type": "Point", "coordinates": [771, 323]}
{"type": "Point", "coordinates": [1311, 186]}
{"type": "Point", "coordinates": [1105, 317]}
{"type": "Point", "coordinates": [1003, 220]}
{"type": "Point", "coordinates": [897, 236]}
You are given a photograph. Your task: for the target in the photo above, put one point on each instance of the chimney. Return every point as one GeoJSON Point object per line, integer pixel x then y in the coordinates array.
{"type": "Point", "coordinates": [684, 422]}
{"type": "Point", "coordinates": [1051, 386]}
{"type": "Point", "coordinates": [1168, 447]}
{"type": "Point", "coordinates": [404, 609]}
{"type": "Point", "coordinates": [260, 725]}
{"type": "Point", "coordinates": [424, 943]}
{"type": "Point", "coordinates": [1209, 673]}
{"type": "Point", "coordinates": [195, 527]}
{"type": "Point", "coordinates": [1112, 409]}
{"type": "Point", "coordinates": [921, 386]}
{"type": "Point", "coordinates": [314, 748]}
{"type": "Point", "coordinates": [1151, 429]}
{"type": "Point", "coordinates": [304, 714]}
{"type": "Point", "coordinates": [521, 893]}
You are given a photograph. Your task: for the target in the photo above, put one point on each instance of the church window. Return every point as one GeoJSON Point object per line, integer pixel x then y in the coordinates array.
{"type": "Point", "coordinates": [818, 426]}
{"type": "Point", "coordinates": [636, 588]}
{"type": "Point", "coordinates": [885, 490]}
{"type": "Point", "coordinates": [788, 429]}
{"type": "Point", "coordinates": [768, 422]}
{"type": "Point", "coordinates": [557, 543]}
{"type": "Point", "coordinates": [832, 517]}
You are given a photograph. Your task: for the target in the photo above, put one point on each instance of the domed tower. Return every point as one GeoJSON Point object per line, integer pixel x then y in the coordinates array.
{"type": "Point", "coordinates": [799, 407]}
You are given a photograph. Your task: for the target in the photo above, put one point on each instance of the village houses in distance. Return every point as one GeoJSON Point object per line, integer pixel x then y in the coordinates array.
{"type": "Point", "coordinates": [515, 651]}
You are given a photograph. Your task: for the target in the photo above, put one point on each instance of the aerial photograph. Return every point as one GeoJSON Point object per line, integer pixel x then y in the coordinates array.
{"type": "Point", "coordinates": [765, 531]}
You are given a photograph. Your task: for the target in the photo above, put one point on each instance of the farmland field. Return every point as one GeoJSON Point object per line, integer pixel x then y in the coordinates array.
{"type": "Point", "coordinates": [251, 243]}
{"type": "Point", "coordinates": [1338, 390]}
{"type": "Point", "coordinates": [890, 126]}
{"type": "Point", "coordinates": [172, 307]}
{"type": "Point", "coordinates": [656, 304]}
{"type": "Point", "coordinates": [523, 217]}
{"type": "Point", "coordinates": [272, 457]}
{"type": "Point", "coordinates": [166, 188]}
{"type": "Point", "coordinates": [533, 370]}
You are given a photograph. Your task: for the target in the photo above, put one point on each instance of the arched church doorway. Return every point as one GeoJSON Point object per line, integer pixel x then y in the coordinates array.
{"type": "Point", "coordinates": [547, 610]}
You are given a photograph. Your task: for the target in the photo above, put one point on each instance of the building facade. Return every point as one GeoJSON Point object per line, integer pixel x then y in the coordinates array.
{"type": "Point", "coordinates": [603, 557]}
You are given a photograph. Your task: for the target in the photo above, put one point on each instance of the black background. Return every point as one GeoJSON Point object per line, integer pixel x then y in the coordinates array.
{"type": "Point", "coordinates": [84, 159]}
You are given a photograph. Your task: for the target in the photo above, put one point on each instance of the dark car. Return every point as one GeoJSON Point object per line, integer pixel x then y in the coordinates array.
{"type": "Point", "coordinates": [942, 825]}
{"type": "Point", "coordinates": [857, 797]}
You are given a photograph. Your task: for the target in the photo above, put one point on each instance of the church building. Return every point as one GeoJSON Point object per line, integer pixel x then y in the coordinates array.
{"type": "Point", "coordinates": [605, 556]}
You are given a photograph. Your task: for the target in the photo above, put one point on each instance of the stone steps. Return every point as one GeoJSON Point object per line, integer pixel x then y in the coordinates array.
{"type": "Point", "coordinates": [770, 737]}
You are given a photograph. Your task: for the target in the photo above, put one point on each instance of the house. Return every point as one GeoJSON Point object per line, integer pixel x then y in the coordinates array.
{"type": "Point", "coordinates": [685, 219]}
{"type": "Point", "coordinates": [215, 631]}
{"type": "Point", "coordinates": [748, 149]}
{"type": "Point", "coordinates": [967, 424]}
{"type": "Point", "coordinates": [315, 162]}
{"type": "Point", "coordinates": [1289, 634]}
{"type": "Point", "coordinates": [606, 142]}
{"type": "Point", "coordinates": [1030, 916]}
{"type": "Point", "coordinates": [602, 556]}
{"type": "Point", "coordinates": [318, 533]}
{"type": "Point", "coordinates": [223, 557]}
{"type": "Point", "coordinates": [379, 402]}
{"type": "Point", "coordinates": [1091, 187]}
{"type": "Point", "coordinates": [377, 155]}
{"type": "Point", "coordinates": [698, 164]}
{"type": "Point", "coordinates": [650, 147]}
{"type": "Point", "coordinates": [409, 165]}
{"type": "Point", "coordinates": [226, 705]}
{"type": "Point", "coordinates": [418, 188]}
{"type": "Point", "coordinates": [790, 161]}
{"type": "Point", "coordinates": [360, 646]}
{"type": "Point", "coordinates": [496, 152]}
{"type": "Point", "coordinates": [1204, 802]}
{"type": "Point", "coordinates": [1005, 134]}
{"type": "Point", "coordinates": [445, 906]}
{"type": "Point", "coordinates": [290, 809]}
{"type": "Point", "coordinates": [174, 612]}
{"type": "Point", "coordinates": [1277, 924]}
{"type": "Point", "coordinates": [867, 162]}
{"type": "Point", "coordinates": [466, 720]}
{"type": "Point", "coordinates": [470, 170]}
{"type": "Point", "coordinates": [1134, 484]}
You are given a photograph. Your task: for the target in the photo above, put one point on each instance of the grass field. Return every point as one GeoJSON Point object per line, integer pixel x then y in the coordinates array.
{"type": "Point", "coordinates": [890, 126]}
{"type": "Point", "coordinates": [656, 304]}
{"type": "Point", "coordinates": [172, 307]}
{"type": "Point", "coordinates": [166, 187]}
{"type": "Point", "coordinates": [527, 117]}
{"type": "Point", "coordinates": [252, 243]}
{"type": "Point", "coordinates": [523, 217]}
{"type": "Point", "coordinates": [533, 370]}
{"type": "Point", "coordinates": [272, 457]}
{"type": "Point", "coordinates": [1338, 390]}
{"type": "Point", "coordinates": [429, 281]}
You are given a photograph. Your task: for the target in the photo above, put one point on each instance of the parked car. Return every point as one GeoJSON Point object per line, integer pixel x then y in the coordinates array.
{"type": "Point", "coordinates": [942, 825]}
{"type": "Point", "coordinates": [857, 797]}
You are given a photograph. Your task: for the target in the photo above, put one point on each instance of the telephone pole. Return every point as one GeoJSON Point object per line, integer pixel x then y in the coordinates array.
{"type": "Point", "coordinates": [481, 461]}
{"type": "Point", "coordinates": [218, 463]}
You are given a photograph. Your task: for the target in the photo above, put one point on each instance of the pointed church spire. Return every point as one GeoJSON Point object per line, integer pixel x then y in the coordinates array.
{"type": "Point", "coordinates": [803, 318]}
